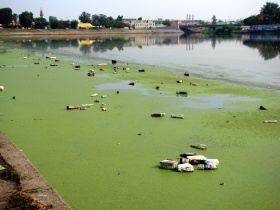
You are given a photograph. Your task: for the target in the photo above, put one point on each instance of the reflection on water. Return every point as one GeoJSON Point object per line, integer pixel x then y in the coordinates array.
{"type": "Point", "coordinates": [201, 101]}
{"type": "Point", "coordinates": [241, 59]}
{"type": "Point", "coordinates": [267, 45]}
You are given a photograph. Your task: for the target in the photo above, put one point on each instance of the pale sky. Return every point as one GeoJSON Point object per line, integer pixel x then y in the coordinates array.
{"type": "Point", "coordinates": [147, 9]}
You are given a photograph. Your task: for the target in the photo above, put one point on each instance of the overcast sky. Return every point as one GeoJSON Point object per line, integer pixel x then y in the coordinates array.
{"type": "Point", "coordinates": [147, 9]}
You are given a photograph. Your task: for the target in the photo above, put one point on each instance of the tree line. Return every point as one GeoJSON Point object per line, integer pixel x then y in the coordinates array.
{"type": "Point", "coordinates": [269, 14]}
{"type": "Point", "coordinates": [9, 20]}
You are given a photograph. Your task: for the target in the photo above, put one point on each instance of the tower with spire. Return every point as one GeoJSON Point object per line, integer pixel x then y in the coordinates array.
{"type": "Point", "coordinates": [41, 13]}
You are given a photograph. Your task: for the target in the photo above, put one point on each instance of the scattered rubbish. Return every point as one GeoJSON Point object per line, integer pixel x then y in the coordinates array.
{"type": "Point", "coordinates": [185, 167]}
{"type": "Point", "coordinates": [103, 96]}
{"type": "Point", "coordinates": [132, 83]}
{"type": "Point", "coordinates": [102, 64]}
{"type": "Point", "coordinates": [141, 70]}
{"type": "Point", "coordinates": [158, 114]}
{"type": "Point", "coordinates": [168, 164]}
{"type": "Point", "coordinates": [2, 168]}
{"type": "Point", "coordinates": [37, 63]}
{"type": "Point", "coordinates": [118, 92]}
{"type": "Point", "coordinates": [90, 72]}
{"type": "Point", "coordinates": [262, 108]}
{"type": "Point", "coordinates": [77, 67]}
{"type": "Point", "coordinates": [197, 159]}
{"type": "Point", "coordinates": [210, 166]}
{"type": "Point", "coordinates": [87, 105]}
{"type": "Point", "coordinates": [14, 97]}
{"type": "Point", "coordinates": [180, 81]}
{"type": "Point", "coordinates": [187, 154]}
{"type": "Point", "coordinates": [53, 65]}
{"type": "Point", "coordinates": [103, 109]}
{"type": "Point", "coordinates": [114, 62]}
{"type": "Point", "coordinates": [179, 116]}
{"type": "Point", "coordinates": [96, 101]}
{"type": "Point", "coordinates": [56, 60]}
{"type": "Point", "coordinates": [270, 121]}
{"type": "Point", "coordinates": [215, 162]}
{"type": "Point", "coordinates": [83, 107]}
{"type": "Point", "coordinates": [25, 57]}
{"type": "Point", "coordinates": [182, 92]}
{"type": "Point", "coordinates": [199, 146]}
{"type": "Point", "coordinates": [52, 57]}
{"type": "Point", "coordinates": [184, 160]}
{"type": "Point", "coordinates": [186, 74]}
{"type": "Point", "coordinates": [194, 84]}
{"type": "Point", "coordinates": [94, 94]}
{"type": "Point", "coordinates": [157, 87]}
{"type": "Point", "coordinates": [102, 69]}
{"type": "Point", "coordinates": [1, 88]}
{"type": "Point", "coordinates": [72, 107]}
{"type": "Point", "coordinates": [126, 68]}
{"type": "Point", "coordinates": [222, 183]}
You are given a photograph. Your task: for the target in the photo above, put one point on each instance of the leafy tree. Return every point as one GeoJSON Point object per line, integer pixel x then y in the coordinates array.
{"type": "Point", "coordinates": [84, 17]}
{"type": "Point", "coordinates": [6, 16]}
{"type": "Point", "coordinates": [15, 17]}
{"type": "Point", "coordinates": [166, 22]}
{"type": "Point", "coordinates": [214, 20]}
{"type": "Point", "coordinates": [119, 18]}
{"type": "Point", "coordinates": [40, 22]}
{"type": "Point", "coordinates": [26, 19]}
{"type": "Point", "coordinates": [102, 20]}
{"type": "Point", "coordinates": [56, 24]}
{"type": "Point", "coordinates": [140, 18]}
{"type": "Point", "coordinates": [95, 20]}
{"type": "Point", "coordinates": [109, 22]}
{"type": "Point", "coordinates": [270, 9]}
{"type": "Point", "coordinates": [252, 20]}
{"type": "Point", "coordinates": [74, 23]}
{"type": "Point", "coordinates": [201, 22]}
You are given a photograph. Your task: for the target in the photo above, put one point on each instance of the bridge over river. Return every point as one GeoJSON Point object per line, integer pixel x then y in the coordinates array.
{"type": "Point", "coordinates": [188, 28]}
{"type": "Point", "coordinates": [252, 28]}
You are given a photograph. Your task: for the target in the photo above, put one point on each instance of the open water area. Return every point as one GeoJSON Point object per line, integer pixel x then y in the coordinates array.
{"type": "Point", "coordinates": [109, 159]}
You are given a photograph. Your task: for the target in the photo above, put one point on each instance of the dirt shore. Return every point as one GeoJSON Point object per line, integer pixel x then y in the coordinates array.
{"type": "Point", "coordinates": [32, 185]}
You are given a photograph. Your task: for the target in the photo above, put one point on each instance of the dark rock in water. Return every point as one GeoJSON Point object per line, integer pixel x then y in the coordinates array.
{"type": "Point", "coordinates": [262, 108]}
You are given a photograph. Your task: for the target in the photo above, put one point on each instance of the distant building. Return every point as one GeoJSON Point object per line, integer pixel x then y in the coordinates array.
{"type": "Point", "coordinates": [139, 24]}
{"type": "Point", "coordinates": [175, 22]}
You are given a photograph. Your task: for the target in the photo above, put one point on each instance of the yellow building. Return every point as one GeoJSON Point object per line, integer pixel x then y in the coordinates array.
{"type": "Point", "coordinates": [85, 25]}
